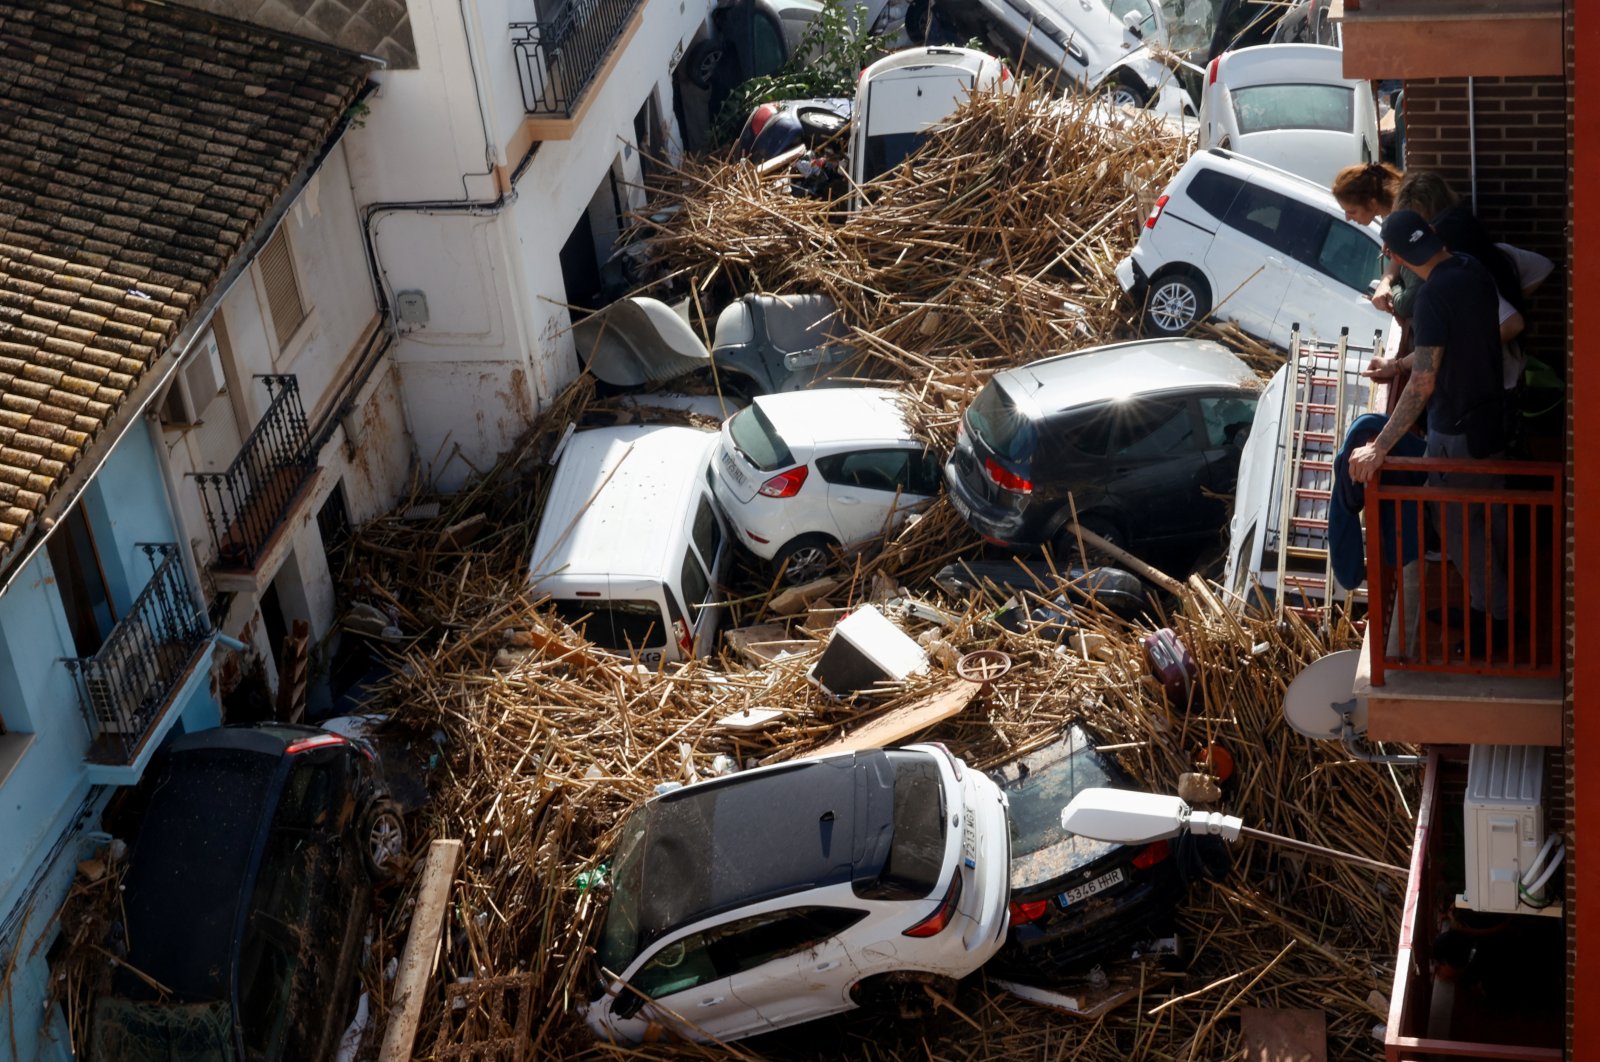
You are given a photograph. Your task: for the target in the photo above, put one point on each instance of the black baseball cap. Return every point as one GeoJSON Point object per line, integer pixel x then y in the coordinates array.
{"type": "Point", "coordinates": [1410, 238]}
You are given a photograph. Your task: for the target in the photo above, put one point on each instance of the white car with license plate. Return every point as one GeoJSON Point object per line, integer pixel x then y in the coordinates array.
{"type": "Point", "coordinates": [1290, 105]}
{"type": "Point", "coordinates": [801, 474]}
{"type": "Point", "coordinates": [780, 895]}
{"type": "Point", "coordinates": [1246, 242]}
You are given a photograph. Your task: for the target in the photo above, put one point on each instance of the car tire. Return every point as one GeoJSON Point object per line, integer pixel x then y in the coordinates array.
{"type": "Point", "coordinates": [805, 558]}
{"type": "Point", "coordinates": [1126, 90]}
{"type": "Point", "coordinates": [1065, 544]}
{"type": "Point", "coordinates": [1176, 301]}
{"type": "Point", "coordinates": [819, 121]}
{"type": "Point", "coordinates": [701, 61]}
{"type": "Point", "coordinates": [902, 992]}
{"type": "Point", "coordinates": [383, 840]}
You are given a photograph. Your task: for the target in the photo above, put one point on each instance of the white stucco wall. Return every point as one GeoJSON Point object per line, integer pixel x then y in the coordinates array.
{"type": "Point", "coordinates": [495, 347]}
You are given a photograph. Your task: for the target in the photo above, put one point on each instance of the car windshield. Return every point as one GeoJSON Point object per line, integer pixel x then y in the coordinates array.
{"type": "Point", "coordinates": [618, 625]}
{"type": "Point", "coordinates": [1199, 29]}
{"type": "Point", "coordinates": [916, 848]}
{"type": "Point", "coordinates": [1038, 787]}
{"type": "Point", "coordinates": [759, 442]}
{"type": "Point", "coordinates": [885, 151]}
{"type": "Point", "coordinates": [619, 940]}
{"type": "Point", "coordinates": [997, 422]}
{"type": "Point", "coordinates": [1264, 107]}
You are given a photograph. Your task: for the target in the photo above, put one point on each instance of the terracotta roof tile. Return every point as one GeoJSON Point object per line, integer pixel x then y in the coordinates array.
{"type": "Point", "coordinates": [134, 167]}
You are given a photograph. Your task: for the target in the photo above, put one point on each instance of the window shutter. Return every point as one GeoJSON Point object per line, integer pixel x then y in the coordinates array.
{"type": "Point", "coordinates": [283, 288]}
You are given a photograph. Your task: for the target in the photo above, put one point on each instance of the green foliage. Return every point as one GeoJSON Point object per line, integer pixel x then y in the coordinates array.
{"type": "Point", "coordinates": [831, 56]}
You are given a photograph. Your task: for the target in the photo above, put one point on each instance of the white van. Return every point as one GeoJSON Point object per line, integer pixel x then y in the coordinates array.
{"type": "Point", "coordinates": [902, 96]}
{"type": "Point", "coordinates": [631, 549]}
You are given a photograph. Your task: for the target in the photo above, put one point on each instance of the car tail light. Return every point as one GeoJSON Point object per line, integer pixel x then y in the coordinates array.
{"type": "Point", "coordinates": [786, 485]}
{"type": "Point", "coordinates": [762, 115]}
{"type": "Point", "coordinates": [755, 537]}
{"type": "Point", "coordinates": [685, 642]}
{"type": "Point", "coordinates": [1023, 913]}
{"type": "Point", "coordinates": [1005, 478]}
{"type": "Point", "coordinates": [1005, 73]}
{"type": "Point", "coordinates": [1211, 71]}
{"type": "Point", "coordinates": [318, 742]}
{"type": "Point", "coordinates": [1155, 212]}
{"type": "Point", "coordinates": [934, 924]}
{"type": "Point", "coordinates": [1152, 854]}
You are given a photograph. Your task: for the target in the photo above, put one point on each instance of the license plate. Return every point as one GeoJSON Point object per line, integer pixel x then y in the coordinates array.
{"type": "Point", "coordinates": [733, 468]}
{"type": "Point", "coordinates": [1091, 888]}
{"type": "Point", "coordinates": [969, 842]}
{"type": "Point", "coordinates": [961, 507]}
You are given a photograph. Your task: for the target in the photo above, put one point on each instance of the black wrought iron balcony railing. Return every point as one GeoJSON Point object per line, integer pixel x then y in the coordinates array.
{"type": "Point", "coordinates": [247, 502]}
{"type": "Point", "coordinates": [125, 686]}
{"type": "Point", "coordinates": [558, 59]}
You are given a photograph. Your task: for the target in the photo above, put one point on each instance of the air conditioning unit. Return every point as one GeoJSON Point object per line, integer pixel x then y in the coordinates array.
{"type": "Point", "coordinates": [1505, 827]}
{"type": "Point", "coordinates": [195, 385]}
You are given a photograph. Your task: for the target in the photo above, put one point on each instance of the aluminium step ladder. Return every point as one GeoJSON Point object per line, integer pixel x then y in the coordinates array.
{"type": "Point", "coordinates": [1324, 393]}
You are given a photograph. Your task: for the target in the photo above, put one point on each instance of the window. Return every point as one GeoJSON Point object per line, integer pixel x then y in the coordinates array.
{"type": "Point", "coordinates": [754, 436]}
{"type": "Point", "coordinates": [81, 582]}
{"type": "Point", "coordinates": [1260, 108]}
{"type": "Point", "coordinates": [885, 470]}
{"type": "Point", "coordinates": [1277, 221]}
{"type": "Point", "coordinates": [885, 151]}
{"type": "Point", "coordinates": [1349, 256]}
{"type": "Point", "coordinates": [1213, 192]}
{"type": "Point", "coordinates": [696, 587]}
{"type": "Point", "coordinates": [770, 52]}
{"type": "Point", "coordinates": [1227, 420]}
{"type": "Point", "coordinates": [1121, 9]}
{"type": "Point", "coordinates": [739, 946]}
{"type": "Point", "coordinates": [707, 530]}
{"type": "Point", "coordinates": [1139, 430]}
{"type": "Point", "coordinates": [618, 625]}
{"type": "Point", "coordinates": [196, 386]}
{"type": "Point", "coordinates": [916, 847]}
{"type": "Point", "coordinates": [995, 420]}
{"type": "Point", "coordinates": [282, 286]}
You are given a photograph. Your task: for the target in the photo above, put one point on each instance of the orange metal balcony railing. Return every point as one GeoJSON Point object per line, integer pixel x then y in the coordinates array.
{"type": "Point", "coordinates": [1510, 539]}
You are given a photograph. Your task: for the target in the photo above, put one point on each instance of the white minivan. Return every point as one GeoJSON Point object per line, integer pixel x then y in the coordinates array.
{"type": "Point", "coordinates": [902, 96]}
{"type": "Point", "coordinates": [1241, 241]}
{"type": "Point", "coordinates": [631, 548]}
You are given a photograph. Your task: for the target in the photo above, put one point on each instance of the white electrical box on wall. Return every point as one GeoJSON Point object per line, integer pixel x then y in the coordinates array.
{"type": "Point", "coordinates": [1505, 827]}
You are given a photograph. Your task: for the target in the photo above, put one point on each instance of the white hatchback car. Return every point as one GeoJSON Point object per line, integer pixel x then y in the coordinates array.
{"type": "Point", "coordinates": [902, 96]}
{"type": "Point", "coordinates": [1246, 242]}
{"type": "Point", "coordinates": [1291, 106]}
{"type": "Point", "coordinates": [798, 474]}
{"type": "Point", "coordinates": [778, 895]}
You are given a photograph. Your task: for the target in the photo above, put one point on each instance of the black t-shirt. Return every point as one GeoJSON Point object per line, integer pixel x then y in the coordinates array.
{"type": "Point", "coordinates": [1457, 310]}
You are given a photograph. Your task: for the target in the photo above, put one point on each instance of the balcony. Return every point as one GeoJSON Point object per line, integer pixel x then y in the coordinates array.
{"type": "Point", "coordinates": [1432, 671]}
{"type": "Point", "coordinates": [1452, 38]}
{"type": "Point", "coordinates": [247, 505]}
{"type": "Point", "coordinates": [558, 60]}
{"type": "Point", "coordinates": [126, 687]}
{"type": "Point", "coordinates": [1504, 1002]}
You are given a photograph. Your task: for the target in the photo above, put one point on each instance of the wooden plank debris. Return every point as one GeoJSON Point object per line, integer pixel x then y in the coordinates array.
{"type": "Point", "coordinates": [422, 949]}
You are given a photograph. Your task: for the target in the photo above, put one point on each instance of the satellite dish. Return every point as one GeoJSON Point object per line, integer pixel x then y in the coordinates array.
{"type": "Point", "coordinates": [1322, 696]}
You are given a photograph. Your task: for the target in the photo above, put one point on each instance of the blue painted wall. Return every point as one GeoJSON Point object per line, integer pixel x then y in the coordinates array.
{"type": "Point", "coordinates": [47, 802]}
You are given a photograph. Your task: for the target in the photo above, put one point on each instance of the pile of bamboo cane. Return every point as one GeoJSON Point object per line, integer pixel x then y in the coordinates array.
{"type": "Point", "coordinates": [995, 248]}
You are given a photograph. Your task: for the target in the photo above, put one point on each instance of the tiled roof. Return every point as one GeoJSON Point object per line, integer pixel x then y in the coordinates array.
{"type": "Point", "coordinates": [141, 146]}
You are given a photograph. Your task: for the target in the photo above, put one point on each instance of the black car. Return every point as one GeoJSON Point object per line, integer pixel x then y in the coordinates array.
{"type": "Point", "coordinates": [246, 897]}
{"type": "Point", "coordinates": [1073, 900]}
{"type": "Point", "coordinates": [1144, 437]}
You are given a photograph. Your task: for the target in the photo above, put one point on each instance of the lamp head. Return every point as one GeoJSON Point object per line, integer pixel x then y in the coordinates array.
{"type": "Point", "coordinates": [1123, 816]}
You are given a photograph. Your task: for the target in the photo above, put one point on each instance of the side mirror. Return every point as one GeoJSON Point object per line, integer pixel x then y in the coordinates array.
{"type": "Point", "coordinates": [627, 1002]}
{"type": "Point", "coordinates": [1133, 22]}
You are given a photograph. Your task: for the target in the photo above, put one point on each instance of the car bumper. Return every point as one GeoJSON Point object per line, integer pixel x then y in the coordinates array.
{"type": "Point", "coordinates": [1002, 526]}
{"type": "Point", "coordinates": [1067, 939]}
{"type": "Point", "coordinates": [1130, 276]}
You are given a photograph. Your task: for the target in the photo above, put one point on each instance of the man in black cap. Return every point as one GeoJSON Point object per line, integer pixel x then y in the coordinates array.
{"type": "Point", "coordinates": [1456, 375]}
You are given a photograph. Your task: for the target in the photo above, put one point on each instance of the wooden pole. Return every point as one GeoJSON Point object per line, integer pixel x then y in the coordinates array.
{"type": "Point", "coordinates": [422, 947]}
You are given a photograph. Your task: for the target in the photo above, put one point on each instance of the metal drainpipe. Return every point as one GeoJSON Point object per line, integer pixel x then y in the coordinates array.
{"type": "Point", "coordinates": [1472, 141]}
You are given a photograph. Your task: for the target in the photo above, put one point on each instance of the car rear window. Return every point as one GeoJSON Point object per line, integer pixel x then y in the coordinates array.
{"type": "Point", "coordinates": [619, 625]}
{"type": "Point", "coordinates": [756, 438]}
{"type": "Point", "coordinates": [1038, 795]}
{"type": "Point", "coordinates": [916, 848]}
{"type": "Point", "coordinates": [1003, 428]}
{"type": "Point", "coordinates": [885, 151]}
{"type": "Point", "coordinates": [1265, 107]}
{"type": "Point", "coordinates": [1213, 192]}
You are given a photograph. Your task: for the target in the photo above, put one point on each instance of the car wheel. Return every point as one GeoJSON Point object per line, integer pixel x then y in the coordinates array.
{"type": "Point", "coordinates": [1065, 544]}
{"type": "Point", "coordinates": [383, 840]}
{"type": "Point", "coordinates": [1177, 301]}
{"type": "Point", "coordinates": [1128, 91]}
{"type": "Point", "coordinates": [820, 121]}
{"type": "Point", "coordinates": [701, 62]}
{"type": "Point", "coordinates": [804, 559]}
{"type": "Point", "coordinates": [902, 992]}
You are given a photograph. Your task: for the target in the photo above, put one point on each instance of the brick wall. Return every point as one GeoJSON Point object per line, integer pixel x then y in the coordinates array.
{"type": "Point", "coordinates": [1521, 127]}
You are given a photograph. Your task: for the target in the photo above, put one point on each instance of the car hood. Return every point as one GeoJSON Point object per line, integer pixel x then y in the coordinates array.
{"type": "Point", "coordinates": [637, 341]}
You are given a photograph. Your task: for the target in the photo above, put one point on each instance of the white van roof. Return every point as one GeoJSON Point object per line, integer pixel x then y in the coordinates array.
{"type": "Point", "coordinates": [625, 530]}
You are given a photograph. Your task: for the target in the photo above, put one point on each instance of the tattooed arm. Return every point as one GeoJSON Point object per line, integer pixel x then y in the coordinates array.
{"type": "Point", "coordinates": [1365, 460]}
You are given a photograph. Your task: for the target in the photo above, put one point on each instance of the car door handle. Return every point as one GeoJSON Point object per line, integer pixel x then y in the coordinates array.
{"type": "Point", "coordinates": [713, 1001]}
{"type": "Point", "coordinates": [849, 499]}
{"type": "Point", "coordinates": [823, 966]}
{"type": "Point", "coordinates": [1274, 261]}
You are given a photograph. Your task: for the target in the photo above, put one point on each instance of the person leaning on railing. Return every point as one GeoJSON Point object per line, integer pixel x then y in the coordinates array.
{"type": "Point", "coordinates": [1456, 376]}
